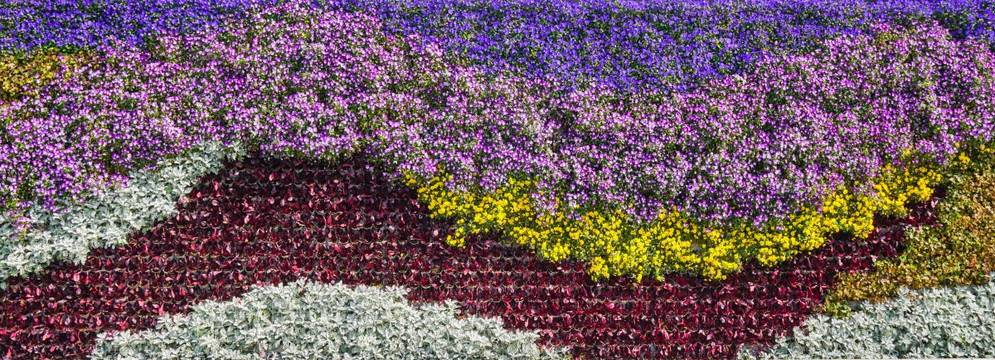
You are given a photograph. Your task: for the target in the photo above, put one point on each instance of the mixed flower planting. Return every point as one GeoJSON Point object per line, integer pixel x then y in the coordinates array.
{"type": "Point", "coordinates": [662, 179]}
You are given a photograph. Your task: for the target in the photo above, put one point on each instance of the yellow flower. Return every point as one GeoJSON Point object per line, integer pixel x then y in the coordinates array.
{"type": "Point", "coordinates": [614, 245]}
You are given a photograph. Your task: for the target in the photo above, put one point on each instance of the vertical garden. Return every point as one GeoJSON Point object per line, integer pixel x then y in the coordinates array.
{"type": "Point", "coordinates": [476, 179]}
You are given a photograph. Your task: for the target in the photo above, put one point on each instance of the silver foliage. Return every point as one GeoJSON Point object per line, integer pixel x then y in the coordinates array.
{"type": "Point", "coordinates": [305, 320]}
{"type": "Point", "coordinates": [955, 322]}
{"type": "Point", "coordinates": [107, 218]}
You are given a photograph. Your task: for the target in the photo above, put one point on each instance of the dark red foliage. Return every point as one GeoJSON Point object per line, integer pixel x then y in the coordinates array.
{"type": "Point", "coordinates": [276, 221]}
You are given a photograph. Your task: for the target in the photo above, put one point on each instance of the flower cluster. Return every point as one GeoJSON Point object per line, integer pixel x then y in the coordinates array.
{"type": "Point", "coordinates": [296, 82]}
{"type": "Point", "coordinates": [752, 148]}
{"type": "Point", "coordinates": [29, 24]}
{"type": "Point", "coordinates": [661, 45]}
{"type": "Point", "coordinates": [271, 222]}
{"type": "Point", "coordinates": [614, 245]}
{"type": "Point", "coordinates": [763, 150]}
{"type": "Point", "coordinates": [658, 45]}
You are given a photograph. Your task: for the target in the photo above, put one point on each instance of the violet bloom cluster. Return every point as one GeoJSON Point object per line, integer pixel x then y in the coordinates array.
{"type": "Point", "coordinates": [751, 148]}
{"type": "Point", "coordinates": [661, 45]}
{"type": "Point", "coordinates": [27, 24]}
{"type": "Point", "coordinates": [297, 83]}
{"type": "Point", "coordinates": [754, 147]}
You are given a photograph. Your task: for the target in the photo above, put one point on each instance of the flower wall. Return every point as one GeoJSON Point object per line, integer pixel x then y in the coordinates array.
{"type": "Point", "coordinates": [621, 154]}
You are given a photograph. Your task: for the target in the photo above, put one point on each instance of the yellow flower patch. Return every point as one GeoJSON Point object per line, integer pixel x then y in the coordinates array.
{"type": "Point", "coordinates": [616, 245]}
